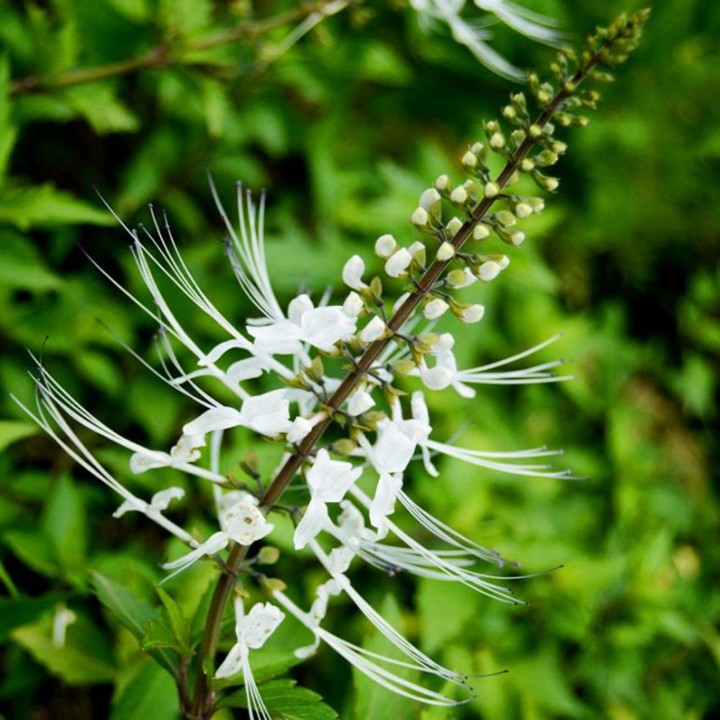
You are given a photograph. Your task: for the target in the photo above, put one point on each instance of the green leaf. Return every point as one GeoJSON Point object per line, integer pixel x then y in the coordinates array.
{"type": "Point", "coordinates": [32, 548]}
{"type": "Point", "coordinates": [143, 620]}
{"type": "Point", "coordinates": [22, 266]}
{"type": "Point", "coordinates": [99, 105]}
{"type": "Point", "coordinates": [285, 701]}
{"type": "Point", "coordinates": [65, 524]}
{"type": "Point", "coordinates": [84, 658]}
{"type": "Point", "coordinates": [147, 693]}
{"type": "Point", "coordinates": [43, 206]}
{"type": "Point", "coordinates": [18, 611]}
{"type": "Point", "coordinates": [13, 430]}
{"type": "Point", "coordinates": [448, 601]}
{"type": "Point", "coordinates": [8, 131]}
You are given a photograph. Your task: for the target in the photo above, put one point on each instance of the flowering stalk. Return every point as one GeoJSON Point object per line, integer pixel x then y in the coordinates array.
{"type": "Point", "coordinates": [606, 48]}
{"type": "Point", "coordinates": [382, 347]}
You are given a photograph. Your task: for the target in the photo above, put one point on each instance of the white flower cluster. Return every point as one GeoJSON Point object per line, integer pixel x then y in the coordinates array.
{"type": "Point", "coordinates": [381, 444]}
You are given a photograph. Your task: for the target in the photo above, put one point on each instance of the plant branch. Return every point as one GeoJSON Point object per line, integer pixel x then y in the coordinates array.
{"type": "Point", "coordinates": [166, 53]}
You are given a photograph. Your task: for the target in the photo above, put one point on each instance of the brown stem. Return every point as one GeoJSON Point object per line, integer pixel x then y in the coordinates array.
{"type": "Point", "coordinates": [202, 707]}
{"type": "Point", "coordinates": [164, 54]}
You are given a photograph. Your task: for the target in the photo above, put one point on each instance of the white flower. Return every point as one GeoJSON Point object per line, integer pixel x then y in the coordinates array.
{"type": "Point", "coordinates": [242, 523]}
{"type": "Point", "coordinates": [252, 631]}
{"type": "Point", "coordinates": [320, 327]}
{"type": "Point", "coordinates": [267, 414]}
{"type": "Point", "coordinates": [185, 451]}
{"type": "Point", "coordinates": [159, 502]}
{"type": "Point", "coordinates": [328, 481]}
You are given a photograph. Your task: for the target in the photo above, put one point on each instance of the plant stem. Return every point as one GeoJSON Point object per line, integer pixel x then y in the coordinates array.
{"type": "Point", "coordinates": [165, 54]}
{"type": "Point", "coordinates": [202, 706]}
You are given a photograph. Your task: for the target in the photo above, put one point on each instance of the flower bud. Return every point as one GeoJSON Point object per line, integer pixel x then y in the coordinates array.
{"type": "Point", "coordinates": [497, 141]}
{"type": "Point", "coordinates": [435, 308]}
{"type": "Point", "coordinates": [398, 263]}
{"type": "Point", "coordinates": [471, 313]}
{"type": "Point", "coordinates": [523, 209]}
{"type": "Point", "coordinates": [469, 160]}
{"type": "Point", "coordinates": [505, 218]}
{"type": "Point", "coordinates": [459, 196]}
{"type": "Point", "coordinates": [353, 305]}
{"type": "Point", "coordinates": [445, 252]}
{"type": "Point", "coordinates": [385, 245]}
{"type": "Point", "coordinates": [491, 189]}
{"type": "Point", "coordinates": [480, 231]}
{"type": "Point", "coordinates": [430, 200]}
{"type": "Point", "coordinates": [442, 183]}
{"type": "Point", "coordinates": [488, 271]}
{"type": "Point", "coordinates": [457, 278]}
{"type": "Point", "coordinates": [352, 273]}
{"type": "Point", "coordinates": [517, 238]}
{"type": "Point", "coordinates": [420, 218]}
{"type": "Point", "coordinates": [453, 226]}
{"type": "Point", "coordinates": [403, 367]}
{"type": "Point", "coordinates": [374, 330]}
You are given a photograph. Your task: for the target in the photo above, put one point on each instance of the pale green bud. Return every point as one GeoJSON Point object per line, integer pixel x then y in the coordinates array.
{"type": "Point", "coordinates": [398, 262]}
{"type": "Point", "coordinates": [442, 183]}
{"type": "Point", "coordinates": [268, 555]}
{"type": "Point", "coordinates": [453, 226]}
{"type": "Point", "coordinates": [477, 149]}
{"type": "Point", "coordinates": [403, 367]}
{"type": "Point", "coordinates": [469, 160]}
{"type": "Point", "coordinates": [480, 231]}
{"type": "Point", "coordinates": [536, 203]}
{"type": "Point", "coordinates": [506, 218]}
{"type": "Point", "coordinates": [517, 238]}
{"type": "Point", "coordinates": [491, 189]}
{"type": "Point", "coordinates": [459, 195]}
{"type": "Point", "coordinates": [456, 278]}
{"type": "Point", "coordinates": [420, 218]}
{"type": "Point", "coordinates": [523, 209]}
{"type": "Point", "coordinates": [435, 308]}
{"type": "Point", "coordinates": [445, 252]}
{"type": "Point", "coordinates": [527, 164]}
{"type": "Point", "coordinates": [430, 200]}
{"type": "Point", "coordinates": [374, 330]}
{"type": "Point", "coordinates": [471, 313]}
{"type": "Point", "coordinates": [497, 141]}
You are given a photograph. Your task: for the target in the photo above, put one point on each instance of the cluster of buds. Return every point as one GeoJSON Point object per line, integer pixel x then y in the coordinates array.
{"type": "Point", "coordinates": [378, 408]}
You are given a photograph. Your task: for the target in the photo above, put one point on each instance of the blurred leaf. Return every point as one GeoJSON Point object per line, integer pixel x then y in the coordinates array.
{"type": "Point", "coordinates": [148, 693]}
{"type": "Point", "coordinates": [43, 205]}
{"type": "Point", "coordinates": [65, 524]}
{"type": "Point", "coordinates": [18, 611]}
{"type": "Point", "coordinates": [99, 105]}
{"type": "Point", "coordinates": [85, 658]}
{"type": "Point", "coordinates": [285, 701]}
{"type": "Point", "coordinates": [13, 430]}
{"type": "Point", "coordinates": [135, 614]}
{"type": "Point", "coordinates": [22, 265]}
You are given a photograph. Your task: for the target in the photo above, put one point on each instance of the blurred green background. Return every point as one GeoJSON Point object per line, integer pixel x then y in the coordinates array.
{"type": "Point", "coordinates": [345, 129]}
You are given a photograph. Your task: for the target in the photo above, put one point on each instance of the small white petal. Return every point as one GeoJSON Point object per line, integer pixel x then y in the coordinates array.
{"type": "Point", "coordinates": [435, 308]}
{"type": "Point", "coordinates": [359, 402]}
{"type": "Point", "coordinates": [385, 246]}
{"type": "Point", "coordinates": [374, 330]}
{"type": "Point", "coordinates": [352, 273]}
{"type": "Point", "coordinates": [398, 262]}
{"type": "Point", "coordinates": [353, 305]}
{"type": "Point", "coordinates": [244, 523]}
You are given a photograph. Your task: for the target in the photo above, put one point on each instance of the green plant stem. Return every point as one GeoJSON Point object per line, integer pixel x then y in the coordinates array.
{"type": "Point", "coordinates": [223, 590]}
{"type": "Point", "coordinates": [165, 54]}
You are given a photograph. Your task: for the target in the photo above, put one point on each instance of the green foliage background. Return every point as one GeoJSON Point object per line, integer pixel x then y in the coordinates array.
{"type": "Point", "coordinates": [345, 129]}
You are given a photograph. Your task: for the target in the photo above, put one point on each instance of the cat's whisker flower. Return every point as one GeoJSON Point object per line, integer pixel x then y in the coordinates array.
{"type": "Point", "coordinates": [288, 377]}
